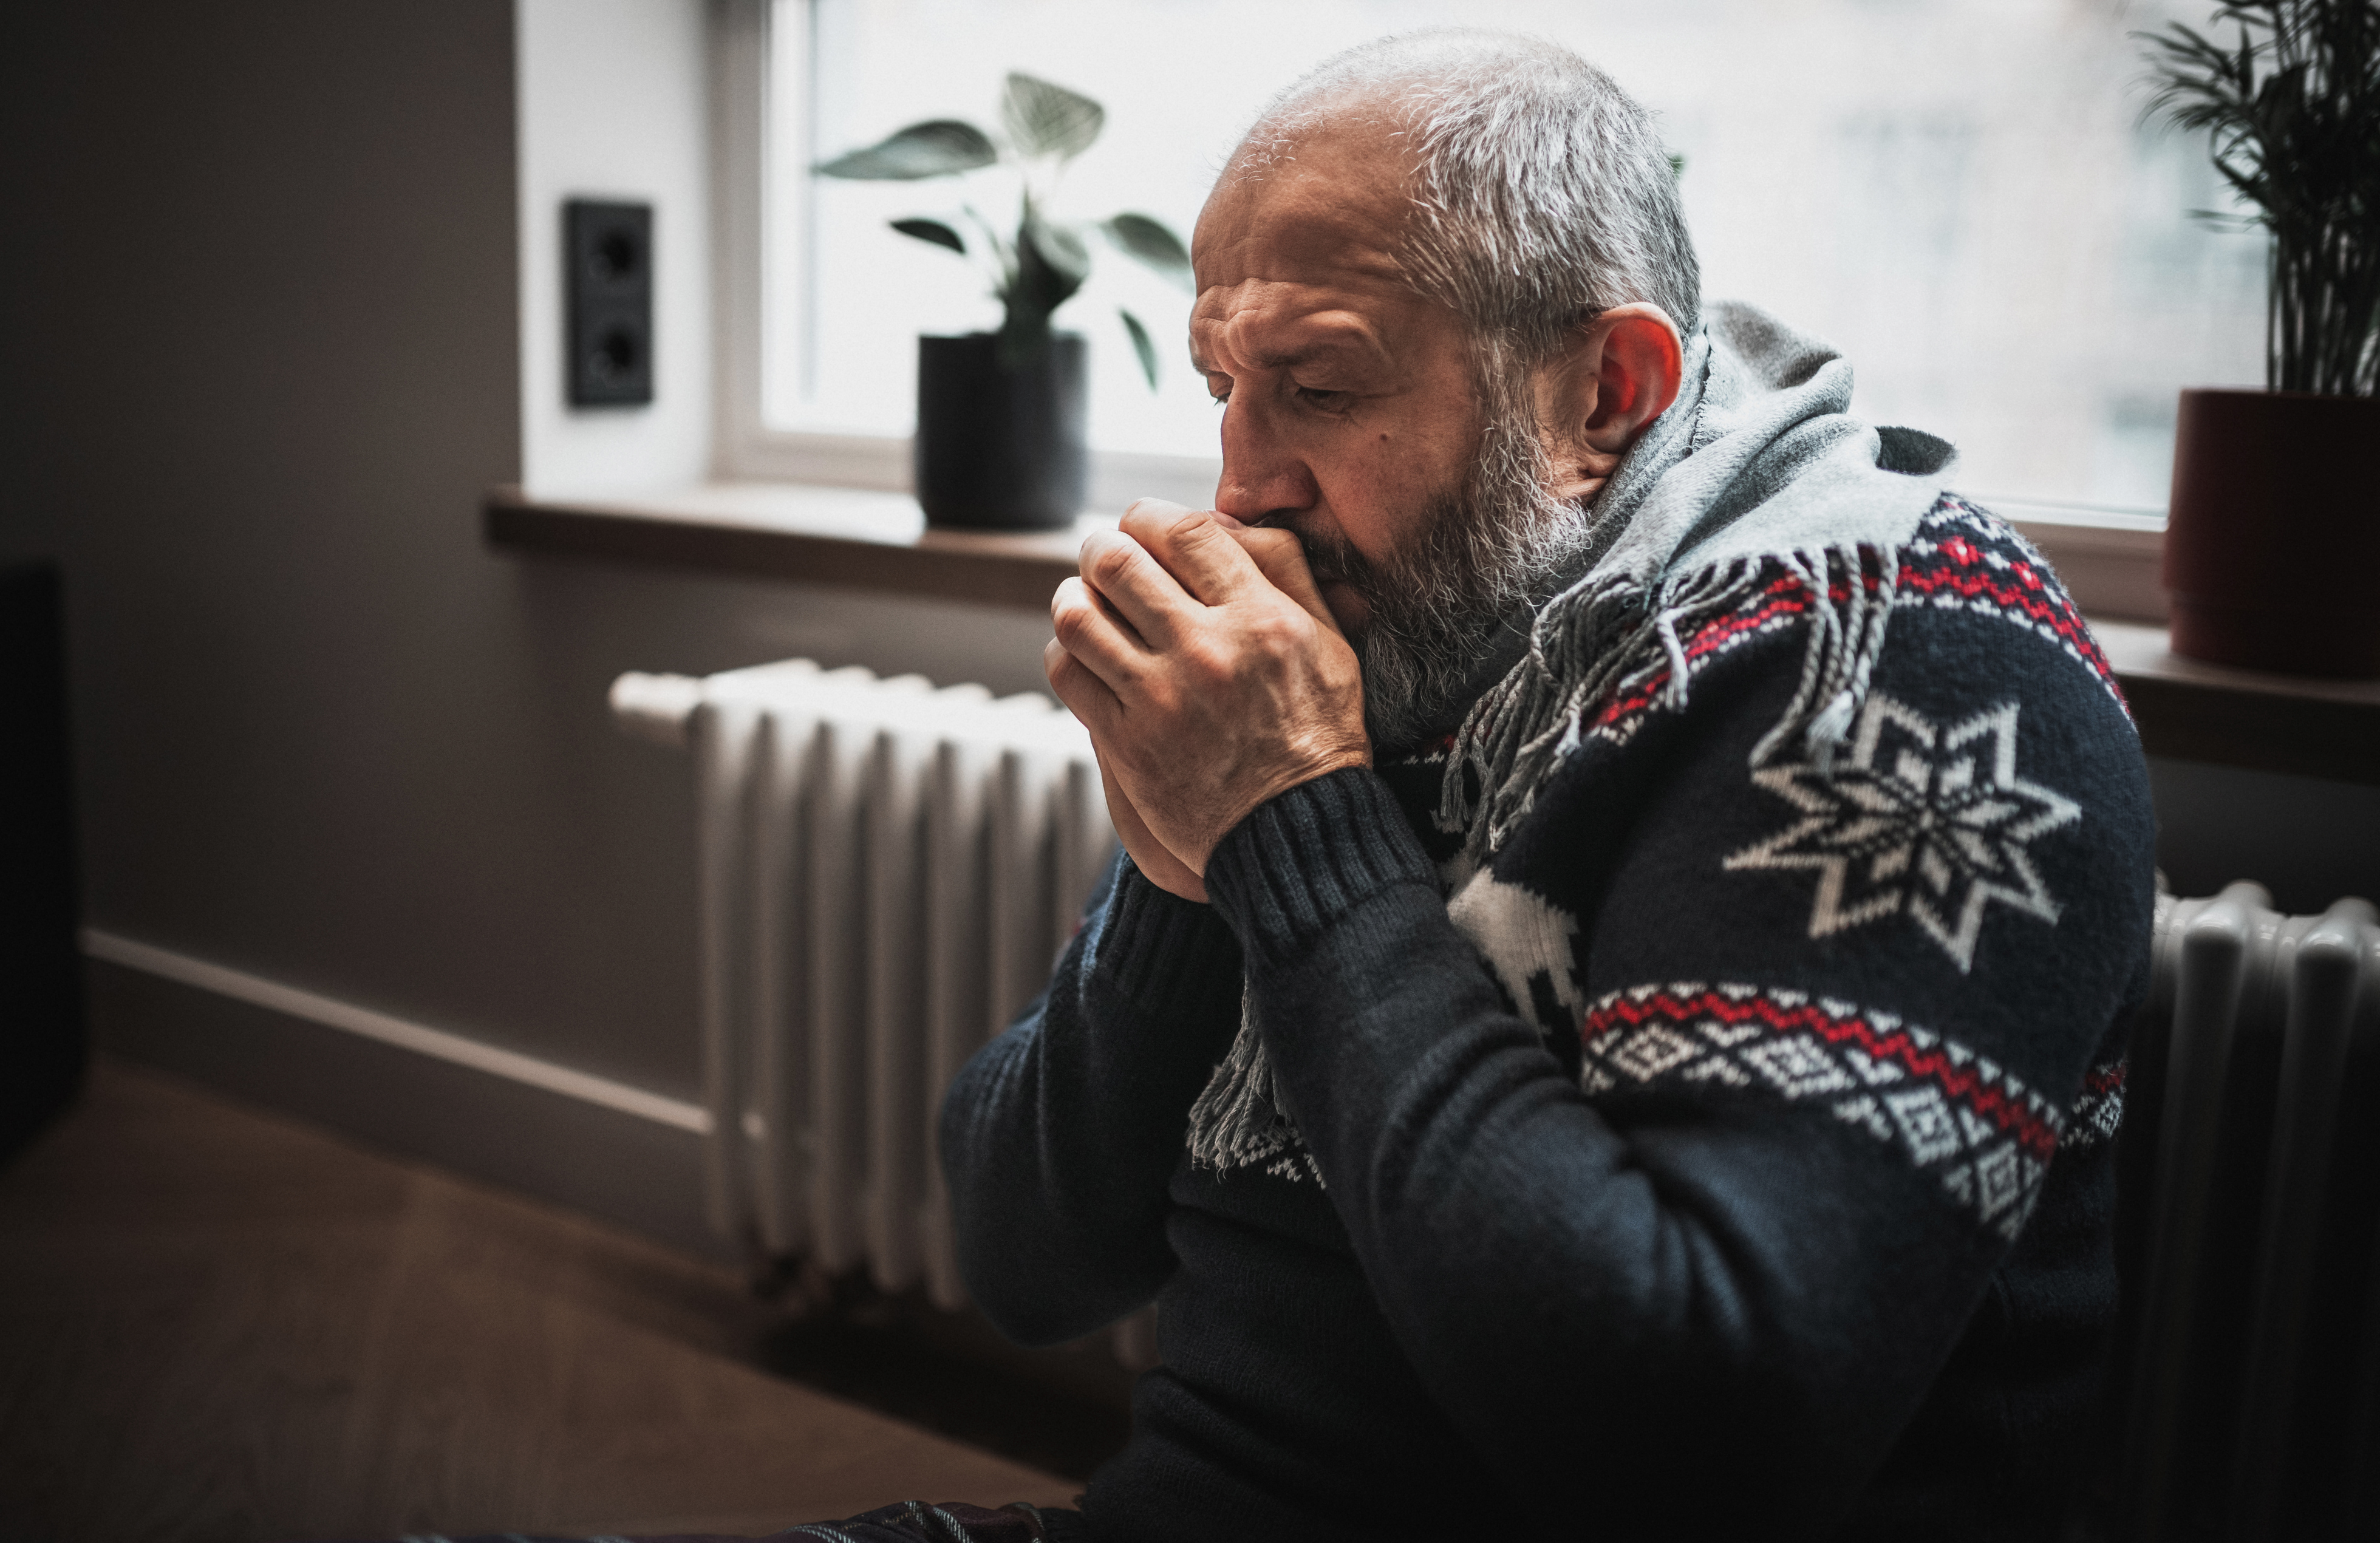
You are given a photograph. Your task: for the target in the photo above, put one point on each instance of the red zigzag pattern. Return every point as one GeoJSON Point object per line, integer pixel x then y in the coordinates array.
{"type": "Point", "coordinates": [1993, 1095]}
{"type": "Point", "coordinates": [1964, 568]}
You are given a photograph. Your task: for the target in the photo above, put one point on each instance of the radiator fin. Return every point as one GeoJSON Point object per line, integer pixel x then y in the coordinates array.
{"type": "Point", "coordinates": [2252, 1410]}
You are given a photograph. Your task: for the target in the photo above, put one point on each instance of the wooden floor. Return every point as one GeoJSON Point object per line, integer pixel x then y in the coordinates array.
{"type": "Point", "coordinates": [217, 1325]}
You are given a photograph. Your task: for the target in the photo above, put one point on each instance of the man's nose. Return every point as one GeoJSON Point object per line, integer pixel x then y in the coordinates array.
{"type": "Point", "coordinates": [1262, 475]}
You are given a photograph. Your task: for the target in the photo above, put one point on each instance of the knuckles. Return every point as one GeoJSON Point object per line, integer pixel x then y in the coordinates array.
{"type": "Point", "coordinates": [1075, 620]}
{"type": "Point", "coordinates": [1264, 541]}
{"type": "Point", "coordinates": [1168, 527]}
{"type": "Point", "coordinates": [1070, 613]}
{"type": "Point", "coordinates": [1189, 525]}
{"type": "Point", "coordinates": [1107, 563]}
{"type": "Point", "coordinates": [1154, 517]}
{"type": "Point", "coordinates": [1145, 509]}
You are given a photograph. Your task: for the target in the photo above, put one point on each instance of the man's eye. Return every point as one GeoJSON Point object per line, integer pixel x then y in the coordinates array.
{"type": "Point", "coordinates": [1327, 401]}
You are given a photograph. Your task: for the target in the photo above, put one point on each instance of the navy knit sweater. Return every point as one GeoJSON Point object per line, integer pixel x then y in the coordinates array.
{"type": "Point", "coordinates": [1730, 1156]}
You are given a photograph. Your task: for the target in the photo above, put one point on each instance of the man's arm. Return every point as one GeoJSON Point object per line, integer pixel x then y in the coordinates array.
{"type": "Point", "coordinates": [1058, 1137]}
{"type": "Point", "coordinates": [1732, 1264]}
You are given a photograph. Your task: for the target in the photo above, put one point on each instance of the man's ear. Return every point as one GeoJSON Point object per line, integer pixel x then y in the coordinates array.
{"type": "Point", "coordinates": [1620, 372]}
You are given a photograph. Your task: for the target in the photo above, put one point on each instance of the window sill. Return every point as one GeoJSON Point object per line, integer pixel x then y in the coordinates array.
{"type": "Point", "coordinates": [2264, 722]}
{"type": "Point", "coordinates": [853, 537]}
{"type": "Point", "coordinates": [869, 540]}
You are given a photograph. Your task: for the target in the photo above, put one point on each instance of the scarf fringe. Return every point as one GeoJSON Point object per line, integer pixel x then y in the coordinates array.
{"type": "Point", "coordinates": [1605, 639]}
{"type": "Point", "coordinates": [1595, 641]}
{"type": "Point", "coordinates": [1238, 1122]}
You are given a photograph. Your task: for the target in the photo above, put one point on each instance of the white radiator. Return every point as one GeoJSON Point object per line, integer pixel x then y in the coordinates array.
{"type": "Point", "coordinates": [887, 873]}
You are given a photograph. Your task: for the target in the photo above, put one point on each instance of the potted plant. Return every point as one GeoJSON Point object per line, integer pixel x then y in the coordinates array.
{"type": "Point", "coordinates": [2272, 549]}
{"type": "Point", "coordinates": [1000, 414]}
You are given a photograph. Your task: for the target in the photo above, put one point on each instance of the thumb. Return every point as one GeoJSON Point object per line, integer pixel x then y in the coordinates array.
{"type": "Point", "coordinates": [1280, 556]}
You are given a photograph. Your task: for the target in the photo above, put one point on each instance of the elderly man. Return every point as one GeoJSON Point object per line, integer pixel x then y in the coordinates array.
{"type": "Point", "coordinates": [1610, 1018]}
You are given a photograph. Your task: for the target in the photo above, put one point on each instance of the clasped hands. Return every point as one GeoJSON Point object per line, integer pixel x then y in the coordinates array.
{"type": "Point", "coordinates": [1199, 654]}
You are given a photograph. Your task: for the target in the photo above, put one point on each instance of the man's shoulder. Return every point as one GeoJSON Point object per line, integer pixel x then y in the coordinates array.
{"type": "Point", "coordinates": [1964, 562]}
{"type": "Point", "coordinates": [1882, 772]}
{"type": "Point", "coordinates": [1826, 677]}
{"type": "Point", "coordinates": [1964, 599]}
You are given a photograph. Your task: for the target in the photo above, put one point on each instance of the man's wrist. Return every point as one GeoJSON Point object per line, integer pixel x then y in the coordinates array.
{"type": "Point", "coordinates": [1357, 759]}
{"type": "Point", "coordinates": [1165, 953]}
{"type": "Point", "coordinates": [1301, 860]}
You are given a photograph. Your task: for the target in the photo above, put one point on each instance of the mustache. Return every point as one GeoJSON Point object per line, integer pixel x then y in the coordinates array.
{"type": "Point", "coordinates": [1331, 558]}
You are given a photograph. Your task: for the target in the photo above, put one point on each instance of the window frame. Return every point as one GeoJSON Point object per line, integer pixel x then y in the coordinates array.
{"type": "Point", "coordinates": [2110, 561]}
{"type": "Point", "coordinates": [746, 446]}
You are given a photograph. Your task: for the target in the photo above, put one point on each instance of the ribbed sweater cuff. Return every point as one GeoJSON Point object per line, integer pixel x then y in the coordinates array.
{"type": "Point", "coordinates": [1163, 955]}
{"type": "Point", "coordinates": [1307, 858]}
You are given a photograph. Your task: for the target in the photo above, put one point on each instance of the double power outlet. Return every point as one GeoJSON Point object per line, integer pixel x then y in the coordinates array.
{"type": "Point", "coordinates": [608, 251]}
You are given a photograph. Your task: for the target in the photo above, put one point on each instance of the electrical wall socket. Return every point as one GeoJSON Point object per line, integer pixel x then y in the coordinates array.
{"type": "Point", "coordinates": [607, 252]}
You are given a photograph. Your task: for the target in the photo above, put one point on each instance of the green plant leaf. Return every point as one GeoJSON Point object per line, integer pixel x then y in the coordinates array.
{"type": "Point", "coordinates": [1153, 243]}
{"type": "Point", "coordinates": [1141, 345]}
{"type": "Point", "coordinates": [1046, 119]}
{"type": "Point", "coordinates": [940, 147]}
{"type": "Point", "coordinates": [1061, 247]}
{"type": "Point", "coordinates": [934, 231]}
{"type": "Point", "coordinates": [2292, 117]}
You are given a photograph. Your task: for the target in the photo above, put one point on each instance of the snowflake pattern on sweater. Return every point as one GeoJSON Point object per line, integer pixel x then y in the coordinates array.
{"type": "Point", "coordinates": [1924, 820]}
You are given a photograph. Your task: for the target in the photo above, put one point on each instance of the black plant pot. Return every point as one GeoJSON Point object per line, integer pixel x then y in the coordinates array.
{"type": "Point", "coordinates": [999, 449]}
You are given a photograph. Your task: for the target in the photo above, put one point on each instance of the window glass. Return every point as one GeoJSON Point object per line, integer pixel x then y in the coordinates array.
{"type": "Point", "coordinates": [1958, 193]}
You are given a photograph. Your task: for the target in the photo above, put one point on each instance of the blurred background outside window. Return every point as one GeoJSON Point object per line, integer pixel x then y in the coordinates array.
{"type": "Point", "coordinates": [1959, 194]}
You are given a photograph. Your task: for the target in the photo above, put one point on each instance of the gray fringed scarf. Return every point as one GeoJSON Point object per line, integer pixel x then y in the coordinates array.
{"type": "Point", "coordinates": [1757, 461]}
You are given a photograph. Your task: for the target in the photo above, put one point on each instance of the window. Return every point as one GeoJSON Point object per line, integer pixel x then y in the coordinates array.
{"type": "Point", "coordinates": [1958, 193]}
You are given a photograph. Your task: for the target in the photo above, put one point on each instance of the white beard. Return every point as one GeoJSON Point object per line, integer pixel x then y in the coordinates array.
{"type": "Point", "coordinates": [1497, 546]}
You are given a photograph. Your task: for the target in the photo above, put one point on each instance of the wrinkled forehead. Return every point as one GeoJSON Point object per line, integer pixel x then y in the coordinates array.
{"type": "Point", "coordinates": [1330, 205]}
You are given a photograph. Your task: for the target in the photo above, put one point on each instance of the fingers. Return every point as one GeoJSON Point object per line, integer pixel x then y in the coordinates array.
{"type": "Point", "coordinates": [1123, 573]}
{"type": "Point", "coordinates": [1197, 551]}
{"type": "Point", "coordinates": [1280, 557]}
{"type": "Point", "coordinates": [1086, 695]}
{"type": "Point", "coordinates": [1091, 700]}
{"type": "Point", "coordinates": [1096, 636]}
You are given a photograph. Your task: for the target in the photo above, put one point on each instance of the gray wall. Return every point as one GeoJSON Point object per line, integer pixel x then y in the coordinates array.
{"type": "Point", "coordinates": [2307, 840]}
{"type": "Point", "coordinates": [261, 364]}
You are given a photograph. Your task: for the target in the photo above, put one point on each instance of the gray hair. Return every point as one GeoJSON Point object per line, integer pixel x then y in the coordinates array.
{"type": "Point", "coordinates": [1543, 193]}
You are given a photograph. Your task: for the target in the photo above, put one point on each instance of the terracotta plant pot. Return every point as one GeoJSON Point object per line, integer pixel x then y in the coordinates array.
{"type": "Point", "coordinates": [2272, 550]}
{"type": "Point", "coordinates": [1001, 449]}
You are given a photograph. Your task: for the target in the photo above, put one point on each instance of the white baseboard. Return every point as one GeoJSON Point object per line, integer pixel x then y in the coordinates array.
{"type": "Point", "coordinates": [618, 1151]}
